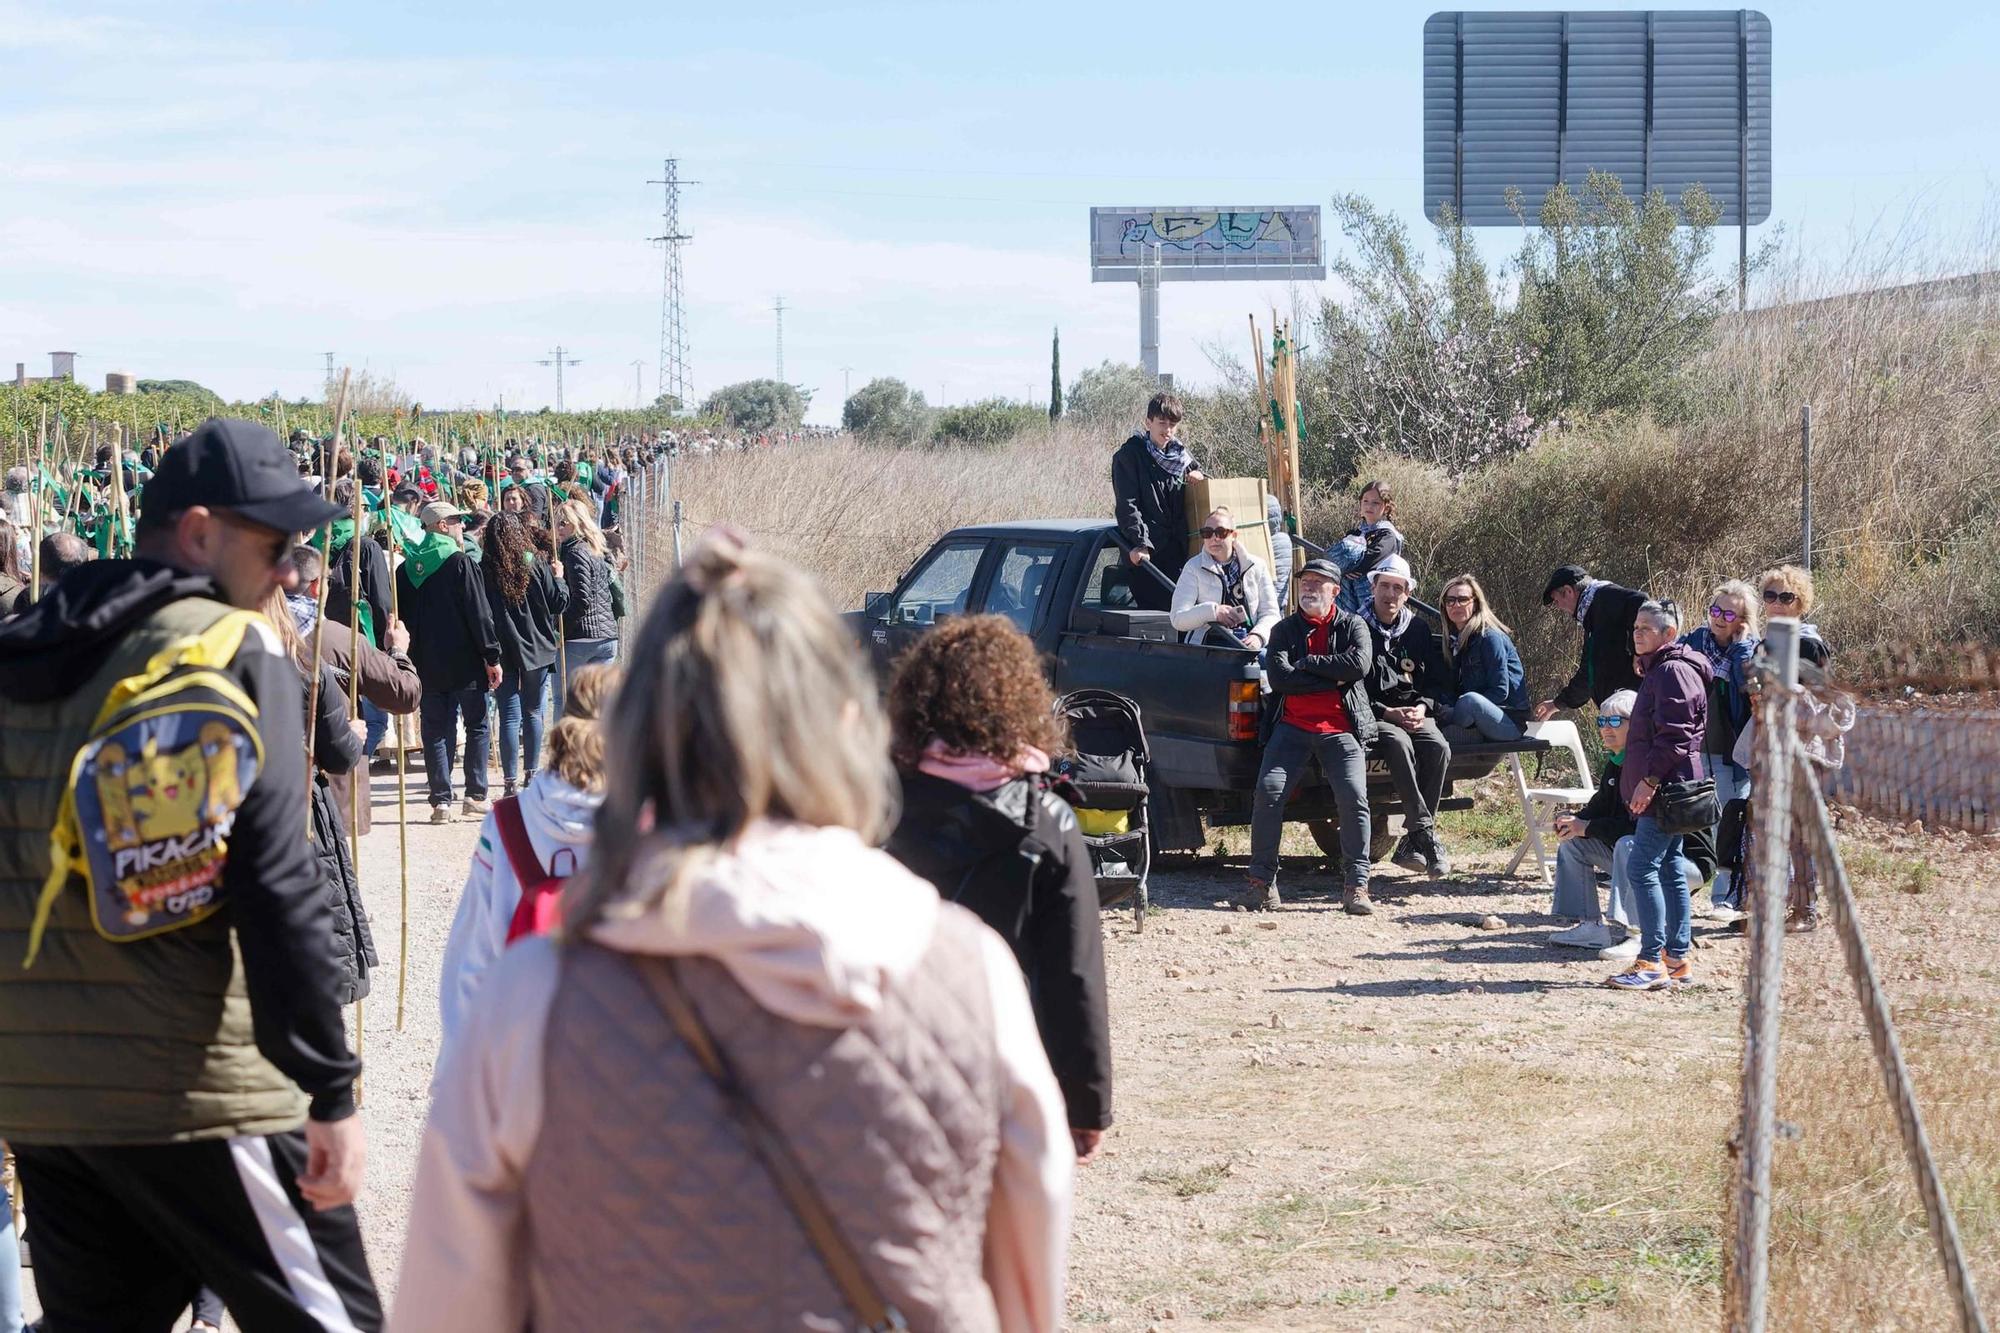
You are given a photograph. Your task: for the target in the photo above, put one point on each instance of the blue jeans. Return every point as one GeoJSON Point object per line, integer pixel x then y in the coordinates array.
{"type": "Point", "coordinates": [1731, 783]}
{"type": "Point", "coordinates": [439, 715]}
{"type": "Point", "coordinates": [1660, 891]}
{"type": "Point", "coordinates": [580, 653]}
{"type": "Point", "coordinates": [520, 698]}
{"type": "Point", "coordinates": [378, 725]}
{"type": "Point", "coordinates": [10, 1269]}
{"type": "Point", "coordinates": [1477, 713]}
{"type": "Point", "coordinates": [1345, 764]}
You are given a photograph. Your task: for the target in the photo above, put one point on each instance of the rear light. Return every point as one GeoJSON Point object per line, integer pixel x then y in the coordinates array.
{"type": "Point", "coordinates": [1243, 709]}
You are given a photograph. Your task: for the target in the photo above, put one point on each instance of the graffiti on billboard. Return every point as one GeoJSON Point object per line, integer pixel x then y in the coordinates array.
{"type": "Point", "coordinates": [1268, 232]}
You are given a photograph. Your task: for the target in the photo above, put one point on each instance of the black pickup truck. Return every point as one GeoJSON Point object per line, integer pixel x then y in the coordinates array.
{"type": "Point", "coordinates": [1067, 584]}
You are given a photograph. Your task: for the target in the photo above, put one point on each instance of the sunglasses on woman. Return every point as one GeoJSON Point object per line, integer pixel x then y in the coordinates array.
{"type": "Point", "coordinates": [1458, 599]}
{"type": "Point", "coordinates": [1613, 722]}
{"type": "Point", "coordinates": [1781, 598]}
{"type": "Point", "coordinates": [1211, 534]}
{"type": "Point", "coordinates": [1725, 616]}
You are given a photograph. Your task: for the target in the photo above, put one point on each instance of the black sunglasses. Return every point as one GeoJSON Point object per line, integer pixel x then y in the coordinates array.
{"type": "Point", "coordinates": [1781, 598]}
{"type": "Point", "coordinates": [1209, 534]}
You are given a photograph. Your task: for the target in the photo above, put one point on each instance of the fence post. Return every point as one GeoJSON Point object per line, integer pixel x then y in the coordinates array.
{"type": "Point", "coordinates": [1805, 486]}
{"type": "Point", "coordinates": [1771, 788]}
{"type": "Point", "coordinates": [677, 534]}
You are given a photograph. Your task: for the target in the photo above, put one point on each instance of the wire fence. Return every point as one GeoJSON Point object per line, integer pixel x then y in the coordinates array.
{"type": "Point", "coordinates": [1814, 745]}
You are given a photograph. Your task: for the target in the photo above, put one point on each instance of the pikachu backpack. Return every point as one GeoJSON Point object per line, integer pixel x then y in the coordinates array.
{"type": "Point", "coordinates": [154, 791]}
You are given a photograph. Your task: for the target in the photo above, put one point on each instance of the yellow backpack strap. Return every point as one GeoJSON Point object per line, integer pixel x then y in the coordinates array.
{"type": "Point", "coordinates": [212, 649]}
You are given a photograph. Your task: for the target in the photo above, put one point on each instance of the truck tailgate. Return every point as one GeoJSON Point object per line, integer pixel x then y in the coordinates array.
{"type": "Point", "coordinates": [1182, 690]}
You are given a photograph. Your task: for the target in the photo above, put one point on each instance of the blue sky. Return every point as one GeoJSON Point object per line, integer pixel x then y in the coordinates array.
{"type": "Point", "coordinates": [226, 192]}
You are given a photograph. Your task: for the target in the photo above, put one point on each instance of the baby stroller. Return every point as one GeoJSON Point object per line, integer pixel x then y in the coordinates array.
{"type": "Point", "coordinates": [1108, 769]}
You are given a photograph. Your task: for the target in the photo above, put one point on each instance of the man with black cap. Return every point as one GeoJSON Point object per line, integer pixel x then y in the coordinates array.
{"type": "Point", "coordinates": [174, 1077]}
{"type": "Point", "coordinates": [456, 648]}
{"type": "Point", "coordinates": [1318, 663]}
{"type": "Point", "coordinates": [1606, 612]}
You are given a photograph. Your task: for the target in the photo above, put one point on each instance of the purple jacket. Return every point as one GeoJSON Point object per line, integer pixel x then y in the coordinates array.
{"type": "Point", "coordinates": [1663, 740]}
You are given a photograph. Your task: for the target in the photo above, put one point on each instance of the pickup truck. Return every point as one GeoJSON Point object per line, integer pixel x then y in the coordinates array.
{"type": "Point", "coordinates": [1068, 585]}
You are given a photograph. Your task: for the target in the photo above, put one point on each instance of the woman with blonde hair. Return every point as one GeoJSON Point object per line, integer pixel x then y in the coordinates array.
{"type": "Point", "coordinates": [1485, 666]}
{"type": "Point", "coordinates": [472, 495]}
{"type": "Point", "coordinates": [1787, 590]}
{"type": "Point", "coordinates": [590, 621]}
{"type": "Point", "coordinates": [544, 833]}
{"type": "Point", "coordinates": [1225, 594]}
{"type": "Point", "coordinates": [1728, 641]}
{"type": "Point", "coordinates": [752, 1016]}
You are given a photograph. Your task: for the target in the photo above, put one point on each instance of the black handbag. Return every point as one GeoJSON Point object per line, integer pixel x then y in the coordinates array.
{"type": "Point", "coordinates": [1683, 807]}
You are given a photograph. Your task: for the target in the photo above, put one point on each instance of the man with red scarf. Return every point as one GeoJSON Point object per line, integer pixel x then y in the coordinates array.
{"type": "Point", "coordinates": [1317, 661]}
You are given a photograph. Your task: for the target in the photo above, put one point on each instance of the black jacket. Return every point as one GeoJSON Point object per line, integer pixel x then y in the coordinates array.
{"type": "Point", "coordinates": [336, 749]}
{"type": "Point", "coordinates": [1408, 669]}
{"type": "Point", "coordinates": [1606, 665]}
{"type": "Point", "coordinates": [1017, 859]}
{"type": "Point", "coordinates": [587, 615]}
{"type": "Point", "coordinates": [452, 635]}
{"type": "Point", "coordinates": [528, 631]}
{"type": "Point", "coordinates": [1293, 670]}
{"type": "Point", "coordinates": [277, 903]}
{"type": "Point", "coordinates": [374, 586]}
{"type": "Point", "coordinates": [1150, 505]}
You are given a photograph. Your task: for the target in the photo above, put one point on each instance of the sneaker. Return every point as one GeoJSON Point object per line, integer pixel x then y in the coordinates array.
{"type": "Point", "coordinates": [440, 814]}
{"type": "Point", "coordinates": [1407, 857]}
{"type": "Point", "coordinates": [1678, 972]}
{"type": "Point", "coordinates": [1726, 916]}
{"type": "Point", "coordinates": [506, 790]}
{"type": "Point", "coordinates": [1799, 923]}
{"type": "Point", "coordinates": [472, 807]}
{"type": "Point", "coordinates": [1589, 935]}
{"type": "Point", "coordinates": [382, 763]}
{"type": "Point", "coordinates": [1623, 952]}
{"type": "Point", "coordinates": [1355, 902]}
{"type": "Point", "coordinates": [1256, 895]}
{"type": "Point", "coordinates": [1436, 863]}
{"type": "Point", "coordinates": [1644, 974]}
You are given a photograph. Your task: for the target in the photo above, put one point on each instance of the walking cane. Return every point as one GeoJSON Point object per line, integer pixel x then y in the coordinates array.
{"type": "Point", "coordinates": [358, 640]}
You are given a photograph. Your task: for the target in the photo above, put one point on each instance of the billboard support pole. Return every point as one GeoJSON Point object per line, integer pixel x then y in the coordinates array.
{"type": "Point", "coordinates": [1149, 311]}
{"type": "Point", "coordinates": [1742, 159]}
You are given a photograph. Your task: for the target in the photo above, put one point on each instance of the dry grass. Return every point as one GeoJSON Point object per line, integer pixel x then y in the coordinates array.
{"type": "Point", "coordinates": [1850, 1248]}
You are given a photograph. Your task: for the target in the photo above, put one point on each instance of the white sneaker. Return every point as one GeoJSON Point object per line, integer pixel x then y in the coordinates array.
{"type": "Point", "coordinates": [1623, 952]}
{"type": "Point", "coordinates": [1727, 916]}
{"type": "Point", "coordinates": [1587, 935]}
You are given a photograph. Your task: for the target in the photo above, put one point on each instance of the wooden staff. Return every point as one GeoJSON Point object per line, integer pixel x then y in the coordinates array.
{"type": "Point", "coordinates": [319, 622]}
{"type": "Point", "coordinates": [402, 798]}
{"type": "Point", "coordinates": [36, 485]}
{"type": "Point", "coordinates": [357, 641]}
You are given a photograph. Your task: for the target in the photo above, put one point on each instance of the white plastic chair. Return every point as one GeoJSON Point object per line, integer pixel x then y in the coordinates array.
{"type": "Point", "coordinates": [1539, 804]}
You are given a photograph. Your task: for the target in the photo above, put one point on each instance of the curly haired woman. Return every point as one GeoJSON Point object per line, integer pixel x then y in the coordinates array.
{"type": "Point", "coordinates": [973, 726]}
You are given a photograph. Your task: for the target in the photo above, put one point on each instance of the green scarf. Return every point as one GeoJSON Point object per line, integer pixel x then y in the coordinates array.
{"type": "Point", "coordinates": [427, 557]}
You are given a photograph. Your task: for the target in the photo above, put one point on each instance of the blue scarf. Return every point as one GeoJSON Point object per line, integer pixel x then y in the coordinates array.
{"type": "Point", "coordinates": [1174, 459]}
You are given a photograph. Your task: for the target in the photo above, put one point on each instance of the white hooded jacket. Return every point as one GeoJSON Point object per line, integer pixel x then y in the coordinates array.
{"type": "Point", "coordinates": [1198, 596]}
{"type": "Point", "coordinates": [560, 822]}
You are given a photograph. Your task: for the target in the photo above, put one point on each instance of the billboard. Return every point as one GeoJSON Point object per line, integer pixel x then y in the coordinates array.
{"type": "Point", "coordinates": [1272, 244]}
{"type": "Point", "coordinates": [1663, 99]}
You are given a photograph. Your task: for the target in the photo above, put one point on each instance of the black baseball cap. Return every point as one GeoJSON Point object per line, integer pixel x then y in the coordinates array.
{"type": "Point", "coordinates": [239, 466]}
{"type": "Point", "coordinates": [1565, 576]}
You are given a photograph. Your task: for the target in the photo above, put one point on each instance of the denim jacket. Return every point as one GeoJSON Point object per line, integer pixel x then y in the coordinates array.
{"type": "Point", "coordinates": [1490, 665]}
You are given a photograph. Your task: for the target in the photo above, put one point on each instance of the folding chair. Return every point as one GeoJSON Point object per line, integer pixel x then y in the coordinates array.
{"type": "Point", "coordinates": [1540, 804]}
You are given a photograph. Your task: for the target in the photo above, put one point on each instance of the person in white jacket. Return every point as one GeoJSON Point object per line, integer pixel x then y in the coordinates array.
{"type": "Point", "coordinates": [581, 1169]}
{"type": "Point", "coordinates": [559, 809]}
{"type": "Point", "coordinates": [1225, 586]}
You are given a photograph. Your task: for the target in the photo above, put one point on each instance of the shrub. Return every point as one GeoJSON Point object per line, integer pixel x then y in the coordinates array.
{"type": "Point", "coordinates": [886, 411]}
{"type": "Point", "coordinates": [1112, 395]}
{"type": "Point", "coordinates": [758, 405]}
{"type": "Point", "coordinates": [987, 423]}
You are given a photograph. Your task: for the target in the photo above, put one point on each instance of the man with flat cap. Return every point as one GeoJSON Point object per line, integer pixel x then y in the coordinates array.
{"type": "Point", "coordinates": [174, 1077]}
{"type": "Point", "coordinates": [1606, 612]}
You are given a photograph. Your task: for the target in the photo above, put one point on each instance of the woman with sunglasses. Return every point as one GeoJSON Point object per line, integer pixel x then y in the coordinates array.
{"type": "Point", "coordinates": [1225, 595]}
{"type": "Point", "coordinates": [1728, 641]}
{"type": "Point", "coordinates": [1787, 590]}
{"type": "Point", "coordinates": [1492, 701]}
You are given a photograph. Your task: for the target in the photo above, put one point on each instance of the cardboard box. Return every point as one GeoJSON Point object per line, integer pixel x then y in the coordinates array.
{"type": "Point", "coordinates": [1243, 497]}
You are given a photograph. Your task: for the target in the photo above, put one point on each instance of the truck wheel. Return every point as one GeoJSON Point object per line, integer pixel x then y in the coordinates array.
{"type": "Point", "coordinates": [1326, 832]}
{"type": "Point", "coordinates": [1381, 841]}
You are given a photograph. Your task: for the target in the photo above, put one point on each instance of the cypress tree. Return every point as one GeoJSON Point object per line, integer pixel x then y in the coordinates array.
{"type": "Point", "coordinates": [1055, 377]}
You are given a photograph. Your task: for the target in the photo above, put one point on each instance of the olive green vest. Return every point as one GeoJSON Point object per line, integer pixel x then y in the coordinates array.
{"type": "Point", "coordinates": [100, 1043]}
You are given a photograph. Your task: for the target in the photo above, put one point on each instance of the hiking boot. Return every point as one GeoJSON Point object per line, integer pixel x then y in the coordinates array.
{"type": "Point", "coordinates": [506, 791]}
{"type": "Point", "coordinates": [440, 814]}
{"type": "Point", "coordinates": [472, 807]}
{"type": "Point", "coordinates": [1644, 974]}
{"type": "Point", "coordinates": [1355, 901]}
{"type": "Point", "coordinates": [1407, 857]}
{"type": "Point", "coordinates": [1256, 895]}
{"type": "Point", "coordinates": [1436, 863]}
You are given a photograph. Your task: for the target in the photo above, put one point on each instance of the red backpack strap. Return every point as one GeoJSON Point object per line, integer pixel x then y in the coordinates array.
{"type": "Point", "coordinates": [514, 840]}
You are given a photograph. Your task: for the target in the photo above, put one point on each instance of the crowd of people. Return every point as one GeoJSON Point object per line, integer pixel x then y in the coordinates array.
{"type": "Point", "coordinates": [1357, 675]}
{"type": "Point", "coordinates": [770, 998]}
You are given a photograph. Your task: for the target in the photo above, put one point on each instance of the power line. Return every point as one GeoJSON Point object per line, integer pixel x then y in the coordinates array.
{"type": "Point", "coordinates": [558, 360]}
{"type": "Point", "coordinates": [674, 377]}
